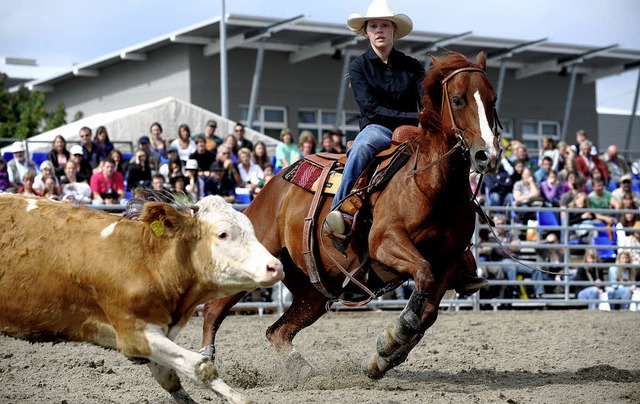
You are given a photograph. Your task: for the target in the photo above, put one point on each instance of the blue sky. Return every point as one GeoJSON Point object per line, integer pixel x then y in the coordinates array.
{"type": "Point", "coordinates": [74, 31]}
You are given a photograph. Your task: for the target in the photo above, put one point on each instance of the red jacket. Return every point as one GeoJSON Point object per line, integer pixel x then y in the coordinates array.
{"type": "Point", "coordinates": [584, 168]}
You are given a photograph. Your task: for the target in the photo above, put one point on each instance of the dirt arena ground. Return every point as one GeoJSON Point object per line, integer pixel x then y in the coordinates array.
{"type": "Point", "coordinates": [568, 356]}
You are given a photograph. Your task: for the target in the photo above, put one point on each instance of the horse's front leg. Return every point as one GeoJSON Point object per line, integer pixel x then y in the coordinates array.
{"type": "Point", "coordinates": [395, 342]}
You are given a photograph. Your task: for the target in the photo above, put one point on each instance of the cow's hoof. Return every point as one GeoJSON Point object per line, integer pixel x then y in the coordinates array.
{"type": "Point", "coordinates": [208, 351]}
{"type": "Point", "coordinates": [298, 368]}
{"type": "Point", "coordinates": [372, 366]}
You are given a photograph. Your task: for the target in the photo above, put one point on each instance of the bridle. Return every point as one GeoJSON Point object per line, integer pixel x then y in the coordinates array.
{"type": "Point", "coordinates": [497, 125]}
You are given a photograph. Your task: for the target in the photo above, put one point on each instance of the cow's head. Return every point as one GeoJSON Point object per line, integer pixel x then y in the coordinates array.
{"type": "Point", "coordinates": [222, 246]}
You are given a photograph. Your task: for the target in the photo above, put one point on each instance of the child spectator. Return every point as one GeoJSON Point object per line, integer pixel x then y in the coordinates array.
{"type": "Point", "coordinates": [4, 175]}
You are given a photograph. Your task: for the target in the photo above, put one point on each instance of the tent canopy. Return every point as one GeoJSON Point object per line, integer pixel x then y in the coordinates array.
{"type": "Point", "coordinates": [125, 126]}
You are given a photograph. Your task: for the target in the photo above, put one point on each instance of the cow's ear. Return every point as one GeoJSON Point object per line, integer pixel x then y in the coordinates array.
{"type": "Point", "coordinates": [164, 220]}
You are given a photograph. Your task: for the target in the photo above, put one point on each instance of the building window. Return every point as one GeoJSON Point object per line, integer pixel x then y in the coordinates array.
{"type": "Point", "coordinates": [269, 120]}
{"type": "Point", "coordinates": [319, 121]}
{"type": "Point", "coordinates": [534, 131]}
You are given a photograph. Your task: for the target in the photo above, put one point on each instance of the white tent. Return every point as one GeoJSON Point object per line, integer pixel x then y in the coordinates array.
{"type": "Point", "coordinates": [128, 124]}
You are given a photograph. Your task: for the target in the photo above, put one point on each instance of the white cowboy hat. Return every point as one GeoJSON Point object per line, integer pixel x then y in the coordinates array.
{"type": "Point", "coordinates": [380, 10]}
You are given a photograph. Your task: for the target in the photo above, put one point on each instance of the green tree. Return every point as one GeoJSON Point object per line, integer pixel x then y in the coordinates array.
{"type": "Point", "coordinates": [23, 113]}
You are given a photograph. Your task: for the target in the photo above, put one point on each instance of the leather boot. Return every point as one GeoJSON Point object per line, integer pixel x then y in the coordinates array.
{"type": "Point", "coordinates": [337, 226]}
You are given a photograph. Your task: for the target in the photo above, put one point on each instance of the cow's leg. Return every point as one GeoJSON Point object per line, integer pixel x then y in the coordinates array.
{"type": "Point", "coordinates": [191, 365]}
{"type": "Point", "coordinates": [395, 342]}
{"type": "Point", "coordinates": [308, 305]}
{"type": "Point", "coordinates": [215, 311]}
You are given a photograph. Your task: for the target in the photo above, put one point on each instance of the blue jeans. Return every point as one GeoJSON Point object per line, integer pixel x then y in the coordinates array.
{"type": "Point", "coordinates": [511, 272]}
{"type": "Point", "coordinates": [370, 141]}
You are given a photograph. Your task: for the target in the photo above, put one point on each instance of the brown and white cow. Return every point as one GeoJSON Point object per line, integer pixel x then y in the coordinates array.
{"type": "Point", "coordinates": [78, 274]}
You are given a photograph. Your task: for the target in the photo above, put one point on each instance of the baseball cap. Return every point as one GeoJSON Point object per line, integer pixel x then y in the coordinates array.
{"type": "Point", "coordinates": [213, 123]}
{"type": "Point", "coordinates": [172, 149]}
{"type": "Point", "coordinates": [77, 149]}
{"type": "Point", "coordinates": [216, 166]}
{"type": "Point", "coordinates": [143, 140]}
{"type": "Point", "coordinates": [626, 177]}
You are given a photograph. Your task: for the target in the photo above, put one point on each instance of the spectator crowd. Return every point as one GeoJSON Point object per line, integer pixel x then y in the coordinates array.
{"type": "Point", "coordinates": [184, 168]}
{"type": "Point", "coordinates": [599, 198]}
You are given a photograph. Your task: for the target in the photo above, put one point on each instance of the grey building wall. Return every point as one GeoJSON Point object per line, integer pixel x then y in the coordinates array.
{"type": "Point", "coordinates": [613, 129]}
{"type": "Point", "coordinates": [164, 73]}
{"type": "Point", "coordinates": [182, 71]}
{"type": "Point", "coordinates": [543, 97]}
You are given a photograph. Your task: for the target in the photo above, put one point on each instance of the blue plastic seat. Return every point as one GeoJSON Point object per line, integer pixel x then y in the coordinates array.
{"type": "Point", "coordinates": [546, 218]}
{"type": "Point", "coordinates": [7, 156]}
{"type": "Point", "coordinates": [276, 170]}
{"type": "Point", "coordinates": [605, 254]}
{"type": "Point", "coordinates": [243, 198]}
{"type": "Point", "coordinates": [39, 157]}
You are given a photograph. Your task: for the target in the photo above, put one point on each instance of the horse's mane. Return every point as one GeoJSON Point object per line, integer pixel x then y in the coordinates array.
{"type": "Point", "coordinates": [430, 116]}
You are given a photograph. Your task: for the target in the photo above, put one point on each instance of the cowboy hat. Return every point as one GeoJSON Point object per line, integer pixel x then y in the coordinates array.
{"type": "Point", "coordinates": [380, 10]}
{"type": "Point", "coordinates": [17, 147]}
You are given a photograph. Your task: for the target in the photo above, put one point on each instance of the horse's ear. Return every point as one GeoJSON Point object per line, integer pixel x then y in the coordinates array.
{"type": "Point", "coordinates": [482, 60]}
{"type": "Point", "coordinates": [433, 59]}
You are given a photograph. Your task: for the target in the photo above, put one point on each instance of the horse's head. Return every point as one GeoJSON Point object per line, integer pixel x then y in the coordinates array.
{"type": "Point", "coordinates": [460, 101]}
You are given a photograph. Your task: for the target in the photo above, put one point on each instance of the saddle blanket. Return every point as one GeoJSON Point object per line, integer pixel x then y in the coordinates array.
{"type": "Point", "coordinates": [305, 174]}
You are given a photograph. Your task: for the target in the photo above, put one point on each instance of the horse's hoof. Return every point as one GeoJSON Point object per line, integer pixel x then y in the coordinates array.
{"type": "Point", "coordinates": [298, 367]}
{"type": "Point", "coordinates": [371, 366]}
{"type": "Point", "coordinates": [208, 351]}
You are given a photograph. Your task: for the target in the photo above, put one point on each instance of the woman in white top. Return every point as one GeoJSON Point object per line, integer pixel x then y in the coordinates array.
{"type": "Point", "coordinates": [74, 190]}
{"type": "Point", "coordinates": [184, 144]}
{"type": "Point", "coordinates": [250, 173]}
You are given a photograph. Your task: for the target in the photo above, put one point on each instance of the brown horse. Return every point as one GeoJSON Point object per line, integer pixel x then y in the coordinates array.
{"type": "Point", "coordinates": [421, 222]}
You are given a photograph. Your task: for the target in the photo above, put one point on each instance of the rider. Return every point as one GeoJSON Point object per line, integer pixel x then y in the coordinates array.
{"type": "Point", "coordinates": [387, 86]}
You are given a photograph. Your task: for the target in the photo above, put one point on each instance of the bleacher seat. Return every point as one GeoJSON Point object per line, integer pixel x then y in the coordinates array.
{"type": "Point", "coordinates": [605, 254]}
{"type": "Point", "coordinates": [243, 198]}
{"type": "Point", "coordinates": [38, 158]}
{"type": "Point", "coordinates": [7, 156]}
{"type": "Point", "coordinates": [273, 163]}
{"type": "Point", "coordinates": [127, 156]}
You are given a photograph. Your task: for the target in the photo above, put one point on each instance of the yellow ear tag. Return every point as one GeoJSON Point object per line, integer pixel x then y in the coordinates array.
{"type": "Point", "coordinates": [158, 228]}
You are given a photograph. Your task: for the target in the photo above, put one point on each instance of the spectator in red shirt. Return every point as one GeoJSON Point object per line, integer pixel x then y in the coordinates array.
{"type": "Point", "coordinates": [105, 180]}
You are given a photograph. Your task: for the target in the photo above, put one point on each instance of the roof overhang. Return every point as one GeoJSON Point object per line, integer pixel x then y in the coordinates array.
{"type": "Point", "coordinates": [303, 40]}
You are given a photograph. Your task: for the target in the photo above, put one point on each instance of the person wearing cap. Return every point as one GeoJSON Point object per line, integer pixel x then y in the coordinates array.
{"type": "Point", "coordinates": [387, 86]}
{"type": "Point", "coordinates": [19, 165]}
{"type": "Point", "coordinates": [184, 144]}
{"type": "Point", "coordinates": [103, 181]}
{"type": "Point", "coordinates": [83, 168]}
{"type": "Point", "coordinates": [211, 140]}
{"type": "Point", "coordinates": [90, 151]}
{"type": "Point", "coordinates": [203, 156]}
{"type": "Point", "coordinates": [144, 143]}
{"type": "Point", "coordinates": [625, 187]}
{"type": "Point", "coordinates": [220, 184]}
{"type": "Point", "coordinates": [195, 183]}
